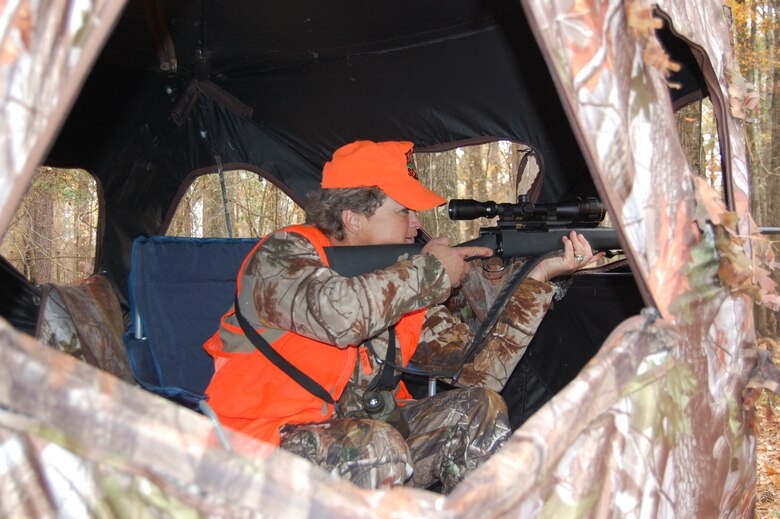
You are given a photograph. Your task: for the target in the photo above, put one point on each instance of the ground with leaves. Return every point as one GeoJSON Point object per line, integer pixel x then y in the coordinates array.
{"type": "Point", "coordinates": [768, 447]}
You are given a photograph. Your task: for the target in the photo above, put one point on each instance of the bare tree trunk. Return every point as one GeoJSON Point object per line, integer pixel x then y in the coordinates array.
{"type": "Point", "coordinates": [472, 171]}
{"type": "Point", "coordinates": [689, 130]}
{"type": "Point", "coordinates": [213, 209]}
{"type": "Point", "coordinates": [25, 240]}
{"type": "Point", "coordinates": [184, 223]}
{"type": "Point", "coordinates": [264, 224]}
{"type": "Point", "coordinates": [446, 185]}
{"type": "Point", "coordinates": [766, 172]}
{"type": "Point", "coordinates": [771, 326]}
{"type": "Point", "coordinates": [42, 210]}
{"type": "Point", "coordinates": [85, 226]}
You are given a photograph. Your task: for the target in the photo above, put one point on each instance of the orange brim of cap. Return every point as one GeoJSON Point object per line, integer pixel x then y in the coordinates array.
{"type": "Point", "coordinates": [413, 194]}
{"type": "Point", "coordinates": [382, 164]}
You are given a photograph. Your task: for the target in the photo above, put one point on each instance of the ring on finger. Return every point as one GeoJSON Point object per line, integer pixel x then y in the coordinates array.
{"type": "Point", "coordinates": [580, 258]}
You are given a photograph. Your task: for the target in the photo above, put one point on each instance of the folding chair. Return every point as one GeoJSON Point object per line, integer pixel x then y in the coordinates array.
{"type": "Point", "coordinates": [178, 290]}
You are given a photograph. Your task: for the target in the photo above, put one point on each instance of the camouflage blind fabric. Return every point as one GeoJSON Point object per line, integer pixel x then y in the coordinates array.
{"type": "Point", "coordinates": [656, 425]}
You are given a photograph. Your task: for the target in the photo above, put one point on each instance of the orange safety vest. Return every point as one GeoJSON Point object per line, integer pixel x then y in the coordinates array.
{"type": "Point", "coordinates": [251, 394]}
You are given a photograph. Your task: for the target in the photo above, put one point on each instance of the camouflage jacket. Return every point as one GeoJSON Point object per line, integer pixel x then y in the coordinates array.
{"type": "Point", "coordinates": [292, 289]}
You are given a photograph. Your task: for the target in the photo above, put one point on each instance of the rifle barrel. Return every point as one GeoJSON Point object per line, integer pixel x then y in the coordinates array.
{"type": "Point", "coordinates": [536, 243]}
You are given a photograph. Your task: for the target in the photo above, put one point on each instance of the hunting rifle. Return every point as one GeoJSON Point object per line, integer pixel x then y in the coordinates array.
{"type": "Point", "coordinates": [523, 229]}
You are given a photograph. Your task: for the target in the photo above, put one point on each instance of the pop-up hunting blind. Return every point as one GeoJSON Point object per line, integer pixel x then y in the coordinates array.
{"type": "Point", "coordinates": [633, 400]}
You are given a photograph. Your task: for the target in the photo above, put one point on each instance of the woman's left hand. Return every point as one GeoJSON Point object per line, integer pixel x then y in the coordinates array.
{"type": "Point", "coordinates": [576, 255]}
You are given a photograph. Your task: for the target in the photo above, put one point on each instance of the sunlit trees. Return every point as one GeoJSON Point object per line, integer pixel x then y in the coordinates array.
{"type": "Point", "coordinates": [252, 205]}
{"type": "Point", "coordinates": [756, 26]}
{"type": "Point", "coordinates": [52, 237]}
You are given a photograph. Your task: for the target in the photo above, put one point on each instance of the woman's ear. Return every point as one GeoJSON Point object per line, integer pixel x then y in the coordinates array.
{"type": "Point", "coordinates": [352, 222]}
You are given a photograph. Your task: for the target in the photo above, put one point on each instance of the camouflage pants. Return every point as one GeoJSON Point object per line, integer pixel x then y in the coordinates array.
{"type": "Point", "coordinates": [451, 434]}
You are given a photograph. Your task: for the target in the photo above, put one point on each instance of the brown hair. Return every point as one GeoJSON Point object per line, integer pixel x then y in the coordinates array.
{"type": "Point", "coordinates": [323, 208]}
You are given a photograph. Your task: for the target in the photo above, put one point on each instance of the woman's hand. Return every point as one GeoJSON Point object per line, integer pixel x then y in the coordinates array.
{"type": "Point", "coordinates": [454, 258]}
{"type": "Point", "coordinates": [576, 255]}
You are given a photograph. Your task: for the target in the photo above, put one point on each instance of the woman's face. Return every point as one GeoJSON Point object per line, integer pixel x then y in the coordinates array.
{"type": "Point", "coordinates": [391, 224]}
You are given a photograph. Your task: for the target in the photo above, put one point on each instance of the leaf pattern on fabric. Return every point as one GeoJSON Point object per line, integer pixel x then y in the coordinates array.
{"type": "Point", "coordinates": [640, 19]}
{"type": "Point", "coordinates": [701, 273]}
{"type": "Point", "coordinates": [660, 397]}
{"type": "Point", "coordinates": [742, 274]}
{"type": "Point", "coordinates": [442, 343]}
{"type": "Point", "coordinates": [451, 434]}
{"type": "Point", "coordinates": [643, 24]}
{"type": "Point", "coordinates": [84, 319]}
{"type": "Point", "coordinates": [294, 290]}
{"type": "Point", "coordinates": [748, 275]}
{"type": "Point", "coordinates": [494, 362]}
{"type": "Point", "coordinates": [744, 100]}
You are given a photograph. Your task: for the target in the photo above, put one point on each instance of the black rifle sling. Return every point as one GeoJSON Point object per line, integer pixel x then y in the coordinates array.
{"type": "Point", "coordinates": [305, 381]}
{"type": "Point", "coordinates": [497, 308]}
{"type": "Point", "coordinates": [385, 379]}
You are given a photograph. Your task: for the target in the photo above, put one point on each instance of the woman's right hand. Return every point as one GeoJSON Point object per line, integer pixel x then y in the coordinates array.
{"type": "Point", "coordinates": [454, 258]}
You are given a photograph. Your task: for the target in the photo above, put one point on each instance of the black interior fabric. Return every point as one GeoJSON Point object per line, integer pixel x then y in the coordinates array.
{"type": "Point", "coordinates": [568, 337]}
{"type": "Point", "coordinates": [688, 79]}
{"type": "Point", "coordinates": [20, 299]}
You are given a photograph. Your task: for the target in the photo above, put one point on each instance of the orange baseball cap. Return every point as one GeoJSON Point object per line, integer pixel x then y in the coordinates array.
{"type": "Point", "coordinates": [387, 165]}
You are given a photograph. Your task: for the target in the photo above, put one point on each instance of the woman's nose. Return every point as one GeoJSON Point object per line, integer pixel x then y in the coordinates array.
{"type": "Point", "coordinates": [414, 220]}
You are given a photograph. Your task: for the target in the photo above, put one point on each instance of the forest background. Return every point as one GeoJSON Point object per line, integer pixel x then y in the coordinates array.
{"type": "Point", "coordinates": [757, 48]}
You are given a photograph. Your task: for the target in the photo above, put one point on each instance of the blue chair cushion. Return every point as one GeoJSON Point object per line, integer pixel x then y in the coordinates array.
{"type": "Point", "coordinates": [179, 288]}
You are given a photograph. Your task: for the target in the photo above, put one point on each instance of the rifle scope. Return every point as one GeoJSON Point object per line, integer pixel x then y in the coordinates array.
{"type": "Point", "coordinates": [582, 210]}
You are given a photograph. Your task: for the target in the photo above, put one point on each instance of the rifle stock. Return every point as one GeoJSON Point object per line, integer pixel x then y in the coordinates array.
{"type": "Point", "coordinates": [361, 259]}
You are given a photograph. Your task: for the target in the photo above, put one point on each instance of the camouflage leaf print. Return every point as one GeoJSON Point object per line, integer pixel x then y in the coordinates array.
{"type": "Point", "coordinates": [494, 362]}
{"type": "Point", "coordinates": [291, 289]}
{"type": "Point", "coordinates": [451, 434]}
{"type": "Point", "coordinates": [369, 453]}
